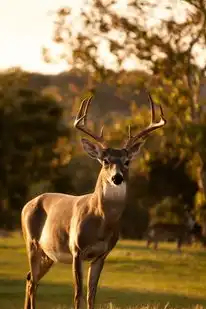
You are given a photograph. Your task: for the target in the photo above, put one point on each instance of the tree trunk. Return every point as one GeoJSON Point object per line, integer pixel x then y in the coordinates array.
{"type": "Point", "coordinates": [201, 182]}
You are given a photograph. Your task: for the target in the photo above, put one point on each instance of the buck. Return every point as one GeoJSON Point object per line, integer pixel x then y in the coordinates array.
{"type": "Point", "coordinates": [71, 229]}
{"type": "Point", "coordinates": [182, 232]}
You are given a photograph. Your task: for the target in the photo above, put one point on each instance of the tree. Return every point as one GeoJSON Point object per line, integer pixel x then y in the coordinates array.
{"type": "Point", "coordinates": [31, 126]}
{"type": "Point", "coordinates": [172, 50]}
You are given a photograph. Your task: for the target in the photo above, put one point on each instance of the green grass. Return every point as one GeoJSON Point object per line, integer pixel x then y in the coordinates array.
{"type": "Point", "coordinates": [133, 276]}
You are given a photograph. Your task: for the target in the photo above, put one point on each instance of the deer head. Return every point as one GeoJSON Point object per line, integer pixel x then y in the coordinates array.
{"type": "Point", "coordinates": [115, 162]}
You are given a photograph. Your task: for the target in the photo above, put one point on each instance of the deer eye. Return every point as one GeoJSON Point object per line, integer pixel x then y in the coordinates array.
{"type": "Point", "coordinates": [106, 161]}
{"type": "Point", "coordinates": [126, 163]}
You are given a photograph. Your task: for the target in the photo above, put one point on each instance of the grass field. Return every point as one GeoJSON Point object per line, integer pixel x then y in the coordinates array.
{"type": "Point", "coordinates": [133, 277]}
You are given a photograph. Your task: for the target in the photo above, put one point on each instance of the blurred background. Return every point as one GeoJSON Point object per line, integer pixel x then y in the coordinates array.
{"type": "Point", "coordinates": [54, 54]}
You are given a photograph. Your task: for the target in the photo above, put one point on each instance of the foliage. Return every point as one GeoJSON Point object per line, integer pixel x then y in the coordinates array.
{"type": "Point", "coordinates": [172, 163]}
{"type": "Point", "coordinates": [170, 49]}
{"type": "Point", "coordinates": [114, 27]}
{"type": "Point", "coordinates": [34, 158]}
{"type": "Point", "coordinates": [31, 127]}
{"type": "Point", "coordinates": [169, 178]}
{"type": "Point", "coordinates": [169, 210]}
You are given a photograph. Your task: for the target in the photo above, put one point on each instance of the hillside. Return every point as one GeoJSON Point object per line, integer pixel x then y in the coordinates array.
{"type": "Point", "coordinates": [71, 83]}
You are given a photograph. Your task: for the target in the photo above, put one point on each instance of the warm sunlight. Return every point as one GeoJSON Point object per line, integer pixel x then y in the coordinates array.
{"type": "Point", "coordinates": [27, 26]}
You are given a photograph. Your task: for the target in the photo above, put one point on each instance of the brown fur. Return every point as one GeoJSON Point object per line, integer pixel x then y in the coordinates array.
{"type": "Point", "coordinates": [65, 228]}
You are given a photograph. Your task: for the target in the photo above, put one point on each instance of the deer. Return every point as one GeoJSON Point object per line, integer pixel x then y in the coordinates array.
{"type": "Point", "coordinates": [63, 228]}
{"type": "Point", "coordinates": [181, 232]}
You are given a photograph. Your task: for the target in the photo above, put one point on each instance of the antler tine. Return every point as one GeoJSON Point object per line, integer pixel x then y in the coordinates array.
{"type": "Point", "coordinates": [102, 132]}
{"type": "Point", "coordinates": [129, 131]}
{"type": "Point", "coordinates": [81, 120]}
{"type": "Point", "coordinates": [152, 126]}
{"type": "Point", "coordinates": [152, 108]}
{"type": "Point", "coordinates": [162, 114]}
{"type": "Point", "coordinates": [82, 113]}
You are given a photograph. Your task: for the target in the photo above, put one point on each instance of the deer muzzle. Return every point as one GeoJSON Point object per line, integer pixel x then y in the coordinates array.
{"type": "Point", "coordinates": [117, 179]}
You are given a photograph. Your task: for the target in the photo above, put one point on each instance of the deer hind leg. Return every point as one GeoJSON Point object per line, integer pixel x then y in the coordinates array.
{"type": "Point", "coordinates": [40, 263]}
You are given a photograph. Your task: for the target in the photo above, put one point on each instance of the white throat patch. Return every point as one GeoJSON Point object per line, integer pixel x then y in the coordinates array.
{"type": "Point", "coordinates": [114, 192]}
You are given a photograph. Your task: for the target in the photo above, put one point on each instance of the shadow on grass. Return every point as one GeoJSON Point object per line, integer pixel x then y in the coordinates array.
{"type": "Point", "coordinates": [143, 247]}
{"type": "Point", "coordinates": [173, 250]}
{"type": "Point", "coordinates": [53, 295]}
{"type": "Point", "coordinates": [128, 265]}
{"type": "Point", "coordinates": [10, 247]}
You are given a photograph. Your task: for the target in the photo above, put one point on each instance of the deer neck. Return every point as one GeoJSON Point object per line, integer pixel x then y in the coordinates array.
{"type": "Point", "coordinates": [110, 199]}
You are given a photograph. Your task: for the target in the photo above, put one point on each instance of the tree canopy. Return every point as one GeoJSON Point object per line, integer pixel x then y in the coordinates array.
{"type": "Point", "coordinates": [170, 47]}
{"type": "Point", "coordinates": [30, 129]}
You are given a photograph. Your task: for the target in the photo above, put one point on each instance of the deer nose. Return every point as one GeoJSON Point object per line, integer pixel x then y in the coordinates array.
{"type": "Point", "coordinates": [117, 179]}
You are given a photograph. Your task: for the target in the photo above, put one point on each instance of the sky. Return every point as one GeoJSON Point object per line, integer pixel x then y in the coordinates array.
{"type": "Point", "coordinates": [27, 26]}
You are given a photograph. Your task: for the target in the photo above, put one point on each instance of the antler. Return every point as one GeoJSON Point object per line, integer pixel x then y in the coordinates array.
{"type": "Point", "coordinates": [81, 119]}
{"type": "Point", "coordinates": [152, 126]}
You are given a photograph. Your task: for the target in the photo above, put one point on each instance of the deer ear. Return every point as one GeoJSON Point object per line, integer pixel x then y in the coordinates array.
{"type": "Point", "coordinates": [92, 149]}
{"type": "Point", "coordinates": [133, 151]}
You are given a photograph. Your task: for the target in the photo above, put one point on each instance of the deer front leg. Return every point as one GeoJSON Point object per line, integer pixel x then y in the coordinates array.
{"type": "Point", "coordinates": [78, 284]}
{"type": "Point", "coordinates": [93, 278]}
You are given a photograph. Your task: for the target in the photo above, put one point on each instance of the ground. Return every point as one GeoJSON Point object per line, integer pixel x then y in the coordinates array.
{"type": "Point", "coordinates": [133, 277]}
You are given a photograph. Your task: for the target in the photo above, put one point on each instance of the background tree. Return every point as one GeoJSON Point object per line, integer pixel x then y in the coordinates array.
{"type": "Point", "coordinates": [31, 128]}
{"type": "Point", "coordinates": [173, 52]}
